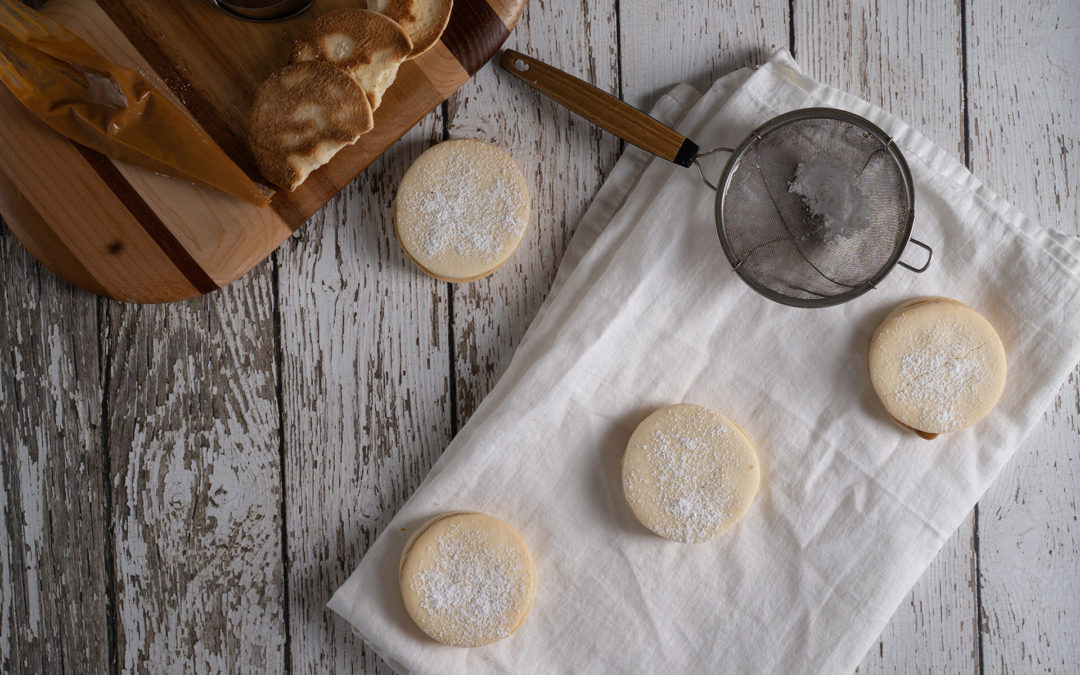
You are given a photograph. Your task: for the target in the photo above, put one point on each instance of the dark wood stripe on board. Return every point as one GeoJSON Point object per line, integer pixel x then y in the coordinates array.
{"type": "Point", "coordinates": [290, 212]}
{"type": "Point", "coordinates": [470, 47]}
{"type": "Point", "coordinates": [148, 219]}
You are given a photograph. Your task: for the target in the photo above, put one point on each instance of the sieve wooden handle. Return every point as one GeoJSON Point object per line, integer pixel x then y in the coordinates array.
{"type": "Point", "coordinates": [601, 108]}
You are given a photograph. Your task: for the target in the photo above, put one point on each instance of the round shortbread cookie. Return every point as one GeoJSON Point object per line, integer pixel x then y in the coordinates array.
{"type": "Point", "coordinates": [367, 45]}
{"type": "Point", "coordinates": [423, 20]}
{"type": "Point", "coordinates": [689, 473]}
{"type": "Point", "coordinates": [303, 114]}
{"type": "Point", "coordinates": [461, 210]}
{"type": "Point", "coordinates": [937, 365]}
{"type": "Point", "coordinates": [467, 579]}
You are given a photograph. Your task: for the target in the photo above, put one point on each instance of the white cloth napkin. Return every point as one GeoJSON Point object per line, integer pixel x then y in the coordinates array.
{"type": "Point", "coordinates": [647, 312]}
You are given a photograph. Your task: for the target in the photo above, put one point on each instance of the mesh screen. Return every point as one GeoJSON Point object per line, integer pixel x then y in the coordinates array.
{"type": "Point", "coordinates": [772, 234]}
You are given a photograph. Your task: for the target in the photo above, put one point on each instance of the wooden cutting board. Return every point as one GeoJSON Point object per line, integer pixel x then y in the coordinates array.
{"type": "Point", "coordinates": [130, 234]}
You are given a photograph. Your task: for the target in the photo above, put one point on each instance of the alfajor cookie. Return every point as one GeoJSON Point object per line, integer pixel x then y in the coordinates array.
{"type": "Point", "coordinates": [303, 114]}
{"type": "Point", "coordinates": [689, 473]}
{"type": "Point", "coordinates": [937, 365]}
{"type": "Point", "coordinates": [367, 45]}
{"type": "Point", "coordinates": [461, 210]}
{"type": "Point", "coordinates": [467, 579]}
{"type": "Point", "coordinates": [423, 20]}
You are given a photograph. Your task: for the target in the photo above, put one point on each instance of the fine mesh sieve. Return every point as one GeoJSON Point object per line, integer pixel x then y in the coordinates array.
{"type": "Point", "coordinates": [778, 238]}
{"type": "Point", "coordinates": [773, 239]}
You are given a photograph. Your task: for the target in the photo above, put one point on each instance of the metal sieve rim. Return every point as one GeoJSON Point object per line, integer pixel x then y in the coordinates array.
{"type": "Point", "coordinates": [770, 126]}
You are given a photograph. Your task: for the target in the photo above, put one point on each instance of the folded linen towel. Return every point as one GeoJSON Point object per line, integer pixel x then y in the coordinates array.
{"type": "Point", "coordinates": [645, 311]}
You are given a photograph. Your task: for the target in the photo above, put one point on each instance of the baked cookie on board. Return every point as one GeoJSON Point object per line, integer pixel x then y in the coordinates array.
{"type": "Point", "coordinates": [367, 45]}
{"type": "Point", "coordinates": [467, 579]}
{"type": "Point", "coordinates": [423, 20]}
{"type": "Point", "coordinates": [303, 114]}
{"type": "Point", "coordinates": [937, 365]}
{"type": "Point", "coordinates": [689, 473]}
{"type": "Point", "coordinates": [461, 210]}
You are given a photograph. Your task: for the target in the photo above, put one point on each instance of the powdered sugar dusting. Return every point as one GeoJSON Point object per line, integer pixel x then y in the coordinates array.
{"type": "Point", "coordinates": [830, 190]}
{"type": "Point", "coordinates": [475, 591]}
{"type": "Point", "coordinates": [692, 464]}
{"type": "Point", "coordinates": [942, 371]}
{"type": "Point", "coordinates": [474, 213]}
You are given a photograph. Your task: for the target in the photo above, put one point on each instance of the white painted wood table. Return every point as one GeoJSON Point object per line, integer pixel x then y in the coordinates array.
{"type": "Point", "coordinates": [183, 486]}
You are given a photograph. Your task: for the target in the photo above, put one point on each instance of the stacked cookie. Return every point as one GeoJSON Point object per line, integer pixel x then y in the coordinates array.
{"type": "Point", "coordinates": [467, 579]}
{"type": "Point", "coordinates": [937, 366]}
{"type": "Point", "coordinates": [339, 69]}
{"type": "Point", "coordinates": [689, 473]}
{"type": "Point", "coordinates": [461, 210]}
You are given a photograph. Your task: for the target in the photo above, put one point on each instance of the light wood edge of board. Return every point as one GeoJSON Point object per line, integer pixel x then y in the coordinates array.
{"type": "Point", "coordinates": [40, 240]}
{"type": "Point", "coordinates": [53, 185]}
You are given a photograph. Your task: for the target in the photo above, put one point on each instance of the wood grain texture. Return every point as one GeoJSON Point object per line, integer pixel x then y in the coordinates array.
{"type": "Point", "coordinates": [1029, 549]}
{"type": "Point", "coordinates": [134, 234]}
{"type": "Point", "coordinates": [662, 44]}
{"type": "Point", "coordinates": [1024, 84]}
{"type": "Point", "coordinates": [208, 443]}
{"type": "Point", "coordinates": [934, 629]}
{"type": "Point", "coordinates": [193, 420]}
{"type": "Point", "coordinates": [903, 57]}
{"type": "Point", "coordinates": [140, 236]}
{"type": "Point", "coordinates": [54, 548]}
{"type": "Point", "coordinates": [907, 59]}
{"type": "Point", "coordinates": [564, 160]}
{"type": "Point", "coordinates": [194, 48]}
{"type": "Point", "coordinates": [50, 222]}
{"type": "Point", "coordinates": [365, 387]}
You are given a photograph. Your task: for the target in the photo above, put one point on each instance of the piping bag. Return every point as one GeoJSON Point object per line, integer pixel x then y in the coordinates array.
{"type": "Point", "coordinates": [68, 85]}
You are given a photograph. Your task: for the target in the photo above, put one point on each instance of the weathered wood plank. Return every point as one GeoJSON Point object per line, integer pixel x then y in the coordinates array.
{"type": "Point", "coordinates": [564, 159]}
{"type": "Point", "coordinates": [906, 58]}
{"type": "Point", "coordinates": [365, 387]}
{"type": "Point", "coordinates": [52, 483]}
{"type": "Point", "coordinates": [193, 425]}
{"type": "Point", "coordinates": [1029, 549]}
{"type": "Point", "coordinates": [664, 44]}
{"type": "Point", "coordinates": [1024, 88]}
{"type": "Point", "coordinates": [193, 413]}
{"type": "Point", "coordinates": [934, 629]}
{"type": "Point", "coordinates": [54, 552]}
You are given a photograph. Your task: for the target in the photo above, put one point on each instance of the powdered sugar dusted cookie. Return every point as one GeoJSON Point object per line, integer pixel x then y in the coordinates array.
{"type": "Point", "coordinates": [937, 365]}
{"type": "Point", "coordinates": [467, 579]}
{"type": "Point", "coordinates": [461, 210]}
{"type": "Point", "coordinates": [689, 473]}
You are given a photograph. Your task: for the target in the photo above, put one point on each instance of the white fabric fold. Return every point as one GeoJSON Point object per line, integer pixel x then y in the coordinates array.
{"type": "Point", "coordinates": [645, 312]}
